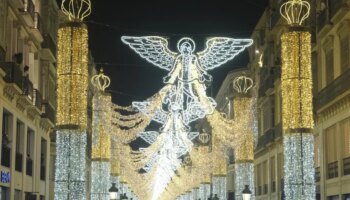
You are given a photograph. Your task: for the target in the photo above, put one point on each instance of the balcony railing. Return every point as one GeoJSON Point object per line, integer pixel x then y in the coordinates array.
{"type": "Point", "coordinates": [13, 73]}
{"type": "Point", "coordinates": [37, 99]}
{"type": "Point", "coordinates": [49, 44]}
{"type": "Point", "coordinates": [37, 21]}
{"type": "Point", "coordinates": [48, 112]}
{"type": "Point", "coordinates": [334, 89]}
{"type": "Point", "coordinates": [273, 186]}
{"type": "Point", "coordinates": [332, 170]}
{"type": "Point", "coordinates": [266, 189]}
{"type": "Point", "coordinates": [29, 7]}
{"type": "Point", "coordinates": [346, 166]}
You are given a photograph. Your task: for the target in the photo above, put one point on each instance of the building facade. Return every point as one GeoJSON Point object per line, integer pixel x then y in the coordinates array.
{"type": "Point", "coordinates": [27, 96]}
{"type": "Point", "coordinates": [329, 25]}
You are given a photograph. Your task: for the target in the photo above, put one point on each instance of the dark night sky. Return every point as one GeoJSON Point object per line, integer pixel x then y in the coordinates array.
{"type": "Point", "coordinates": [134, 78]}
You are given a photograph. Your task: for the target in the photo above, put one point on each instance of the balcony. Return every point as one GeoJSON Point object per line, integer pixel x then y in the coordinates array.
{"type": "Point", "coordinates": [37, 28]}
{"type": "Point", "coordinates": [48, 112]}
{"type": "Point", "coordinates": [274, 18]}
{"type": "Point", "coordinates": [322, 20]}
{"type": "Point", "coordinates": [13, 73]}
{"type": "Point", "coordinates": [332, 170]}
{"type": "Point", "coordinates": [19, 163]}
{"type": "Point", "coordinates": [333, 90]}
{"type": "Point", "coordinates": [273, 186]}
{"type": "Point", "coordinates": [37, 99]}
{"type": "Point", "coordinates": [49, 43]}
{"type": "Point", "coordinates": [28, 13]}
{"type": "Point", "coordinates": [346, 166]}
{"type": "Point", "coordinates": [268, 77]}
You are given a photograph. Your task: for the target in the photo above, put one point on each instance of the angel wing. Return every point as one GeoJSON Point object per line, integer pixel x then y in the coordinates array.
{"type": "Point", "coordinates": [220, 50]}
{"type": "Point", "coordinates": [152, 48]}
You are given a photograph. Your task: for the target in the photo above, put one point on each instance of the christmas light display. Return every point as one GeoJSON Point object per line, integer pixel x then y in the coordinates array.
{"type": "Point", "coordinates": [71, 112]}
{"type": "Point", "coordinates": [297, 117]}
{"type": "Point", "coordinates": [101, 142]}
{"type": "Point", "coordinates": [243, 102]}
{"type": "Point", "coordinates": [183, 100]}
{"type": "Point", "coordinates": [72, 75]}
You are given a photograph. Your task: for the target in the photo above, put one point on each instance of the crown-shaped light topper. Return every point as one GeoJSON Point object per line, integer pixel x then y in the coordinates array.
{"type": "Point", "coordinates": [242, 84]}
{"type": "Point", "coordinates": [76, 10]}
{"type": "Point", "coordinates": [295, 11]}
{"type": "Point", "coordinates": [100, 81]}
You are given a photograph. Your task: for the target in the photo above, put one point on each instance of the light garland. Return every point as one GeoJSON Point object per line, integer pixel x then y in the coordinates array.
{"type": "Point", "coordinates": [70, 165]}
{"type": "Point", "coordinates": [72, 75]}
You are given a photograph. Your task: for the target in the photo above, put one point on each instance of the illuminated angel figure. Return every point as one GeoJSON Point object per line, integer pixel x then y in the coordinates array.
{"type": "Point", "coordinates": [187, 70]}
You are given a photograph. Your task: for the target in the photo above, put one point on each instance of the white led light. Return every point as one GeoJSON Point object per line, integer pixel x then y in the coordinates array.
{"type": "Point", "coordinates": [183, 100]}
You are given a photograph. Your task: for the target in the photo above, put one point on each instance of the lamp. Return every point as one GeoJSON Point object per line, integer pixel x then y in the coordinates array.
{"type": "Point", "coordinates": [246, 193]}
{"type": "Point", "coordinates": [113, 192]}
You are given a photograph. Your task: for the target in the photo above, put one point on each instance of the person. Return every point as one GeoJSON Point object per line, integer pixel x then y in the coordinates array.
{"type": "Point", "coordinates": [25, 83]}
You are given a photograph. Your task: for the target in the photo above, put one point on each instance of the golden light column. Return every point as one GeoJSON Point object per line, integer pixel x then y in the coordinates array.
{"type": "Point", "coordinates": [71, 112]}
{"type": "Point", "coordinates": [297, 117]}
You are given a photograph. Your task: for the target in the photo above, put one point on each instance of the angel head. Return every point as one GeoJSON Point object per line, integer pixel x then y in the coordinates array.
{"type": "Point", "coordinates": [186, 46]}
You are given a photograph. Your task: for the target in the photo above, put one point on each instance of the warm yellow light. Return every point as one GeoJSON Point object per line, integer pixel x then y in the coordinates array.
{"type": "Point", "coordinates": [76, 10]}
{"type": "Point", "coordinates": [72, 75]}
{"type": "Point", "coordinates": [295, 11]}
{"type": "Point", "coordinates": [296, 81]}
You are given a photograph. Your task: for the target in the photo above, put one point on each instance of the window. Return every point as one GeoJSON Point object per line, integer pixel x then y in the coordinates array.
{"type": "Point", "coordinates": [5, 193]}
{"type": "Point", "coordinates": [329, 66]}
{"type": "Point", "coordinates": [273, 174]}
{"type": "Point", "coordinates": [18, 194]}
{"type": "Point", "coordinates": [344, 46]}
{"type": "Point", "coordinates": [317, 158]}
{"type": "Point", "coordinates": [19, 145]}
{"type": "Point", "coordinates": [43, 159]}
{"type": "Point", "coordinates": [329, 59]}
{"type": "Point", "coordinates": [3, 13]}
{"type": "Point", "coordinates": [331, 155]}
{"type": "Point", "coordinates": [30, 151]}
{"type": "Point", "coordinates": [264, 173]}
{"type": "Point", "coordinates": [345, 134]}
{"type": "Point", "coordinates": [6, 139]}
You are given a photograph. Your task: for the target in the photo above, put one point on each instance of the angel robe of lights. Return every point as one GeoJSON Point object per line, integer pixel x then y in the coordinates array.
{"type": "Point", "coordinates": [183, 102]}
